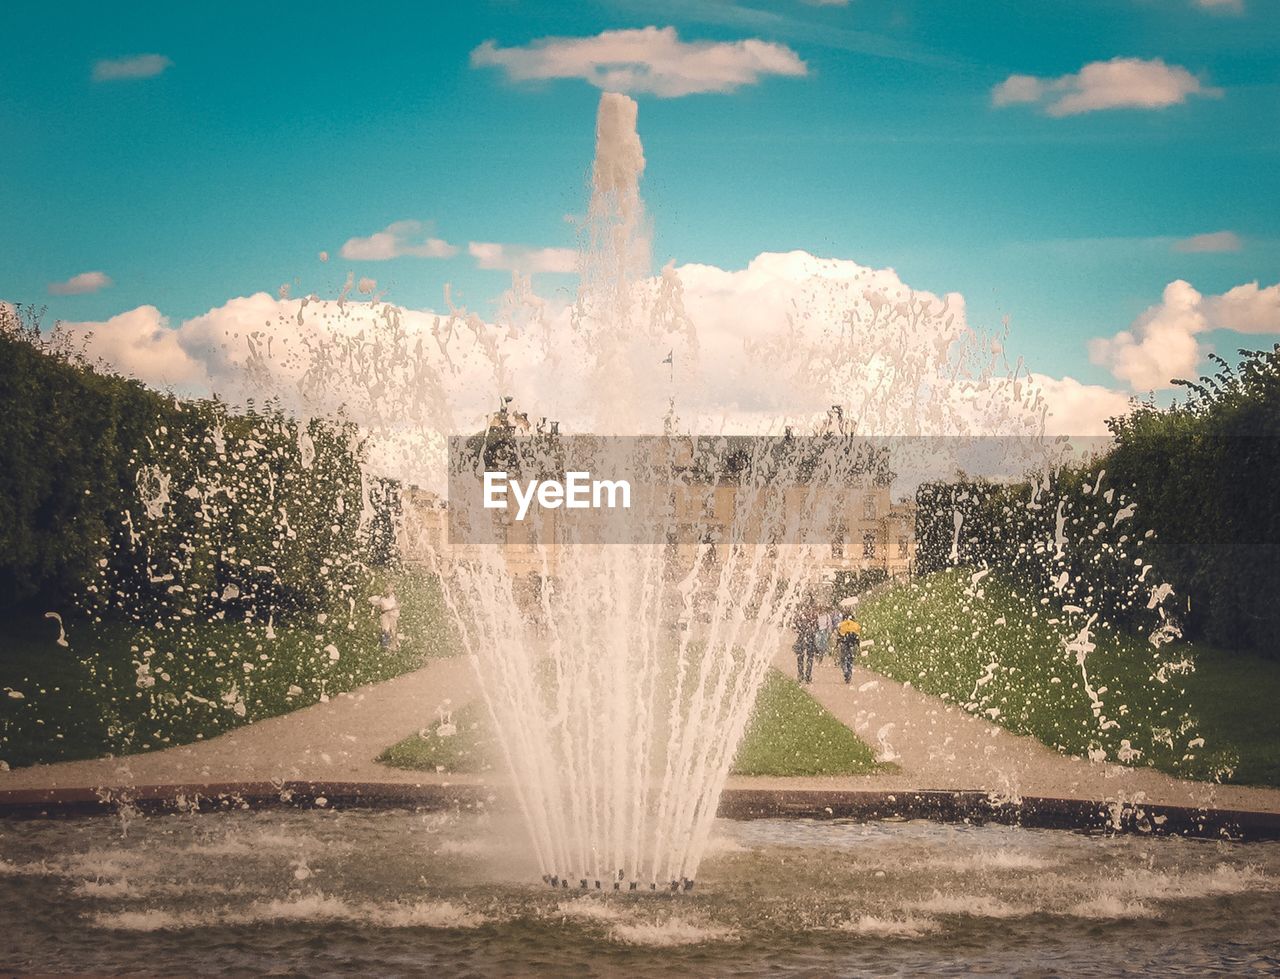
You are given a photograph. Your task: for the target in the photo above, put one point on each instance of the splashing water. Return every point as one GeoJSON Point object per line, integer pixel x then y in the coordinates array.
{"type": "Point", "coordinates": [622, 687]}
{"type": "Point", "coordinates": [620, 675]}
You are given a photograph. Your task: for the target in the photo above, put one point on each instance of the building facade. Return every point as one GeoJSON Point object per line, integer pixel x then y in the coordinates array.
{"type": "Point", "coordinates": [853, 526]}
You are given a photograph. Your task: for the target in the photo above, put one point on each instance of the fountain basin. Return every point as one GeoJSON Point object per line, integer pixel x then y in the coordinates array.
{"type": "Point", "coordinates": [394, 891]}
{"type": "Point", "coordinates": [948, 806]}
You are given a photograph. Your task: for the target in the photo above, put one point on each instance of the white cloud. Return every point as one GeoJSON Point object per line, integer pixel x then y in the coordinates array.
{"type": "Point", "coordinates": [396, 242]}
{"type": "Point", "coordinates": [139, 343]}
{"type": "Point", "coordinates": [1221, 6]}
{"type": "Point", "coordinates": [779, 340]}
{"type": "Point", "coordinates": [648, 59]}
{"type": "Point", "coordinates": [1216, 241]}
{"type": "Point", "coordinates": [753, 349]}
{"type": "Point", "coordinates": [135, 66]}
{"type": "Point", "coordinates": [1018, 90]}
{"type": "Point", "coordinates": [1246, 309]}
{"type": "Point", "coordinates": [78, 285]}
{"type": "Point", "coordinates": [521, 258]}
{"type": "Point", "coordinates": [1075, 408]}
{"type": "Point", "coordinates": [1163, 343]}
{"type": "Point", "coordinates": [1121, 83]}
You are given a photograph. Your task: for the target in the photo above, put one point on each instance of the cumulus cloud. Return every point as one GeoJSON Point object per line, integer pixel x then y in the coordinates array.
{"type": "Point", "coordinates": [79, 285]}
{"type": "Point", "coordinates": [1164, 342]}
{"type": "Point", "coordinates": [746, 350]}
{"type": "Point", "coordinates": [1216, 241]}
{"type": "Point", "coordinates": [520, 258]}
{"type": "Point", "coordinates": [1246, 309]}
{"type": "Point", "coordinates": [134, 66]}
{"type": "Point", "coordinates": [1121, 83]}
{"type": "Point", "coordinates": [140, 343]}
{"type": "Point", "coordinates": [396, 241]}
{"type": "Point", "coordinates": [650, 59]}
{"type": "Point", "coordinates": [1221, 6]}
{"type": "Point", "coordinates": [1076, 408]}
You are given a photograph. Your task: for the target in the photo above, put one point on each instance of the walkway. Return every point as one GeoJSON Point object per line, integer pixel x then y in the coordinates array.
{"type": "Point", "coordinates": [940, 746]}
{"type": "Point", "coordinates": [331, 742]}
{"type": "Point", "coordinates": [935, 746]}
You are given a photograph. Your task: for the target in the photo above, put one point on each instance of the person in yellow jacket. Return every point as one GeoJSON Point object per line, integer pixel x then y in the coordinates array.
{"type": "Point", "coordinates": [848, 639]}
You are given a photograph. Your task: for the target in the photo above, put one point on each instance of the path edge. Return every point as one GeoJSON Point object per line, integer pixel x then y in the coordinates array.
{"type": "Point", "coordinates": [947, 806]}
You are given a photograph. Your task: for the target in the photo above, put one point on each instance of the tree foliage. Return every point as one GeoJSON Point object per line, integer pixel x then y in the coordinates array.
{"type": "Point", "coordinates": [1187, 497]}
{"type": "Point", "coordinates": [1206, 475]}
{"type": "Point", "coordinates": [156, 506]}
{"type": "Point", "coordinates": [63, 475]}
{"type": "Point", "coordinates": [1066, 536]}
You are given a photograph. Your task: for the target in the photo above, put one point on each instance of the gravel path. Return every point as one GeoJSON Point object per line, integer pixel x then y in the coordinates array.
{"type": "Point", "coordinates": [330, 742]}
{"type": "Point", "coordinates": [939, 746]}
{"type": "Point", "coordinates": [935, 746]}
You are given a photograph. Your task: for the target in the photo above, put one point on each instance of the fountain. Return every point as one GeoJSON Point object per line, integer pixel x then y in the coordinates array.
{"type": "Point", "coordinates": [619, 651]}
{"type": "Point", "coordinates": [620, 698]}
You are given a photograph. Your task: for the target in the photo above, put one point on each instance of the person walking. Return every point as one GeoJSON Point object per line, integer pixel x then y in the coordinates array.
{"type": "Point", "coordinates": [848, 640]}
{"type": "Point", "coordinates": [806, 624]}
{"type": "Point", "coordinates": [388, 608]}
{"type": "Point", "coordinates": [822, 638]}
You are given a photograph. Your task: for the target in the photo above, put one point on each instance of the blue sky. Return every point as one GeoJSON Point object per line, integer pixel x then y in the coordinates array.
{"type": "Point", "coordinates": [262, 136]}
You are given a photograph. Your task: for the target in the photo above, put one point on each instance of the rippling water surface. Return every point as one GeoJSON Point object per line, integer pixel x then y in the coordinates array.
{"type": "Point", "coordinates": [409, 893]}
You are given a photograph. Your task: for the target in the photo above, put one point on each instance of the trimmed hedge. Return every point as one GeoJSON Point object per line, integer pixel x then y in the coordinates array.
{"type": "Point", "coordinates": [1191, 493]}
{"type": "Point", "coordinates": [144, 503]}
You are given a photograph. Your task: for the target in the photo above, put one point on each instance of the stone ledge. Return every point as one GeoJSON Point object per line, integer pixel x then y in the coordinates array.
{"type": "Point", "coordinates": [735, 803]}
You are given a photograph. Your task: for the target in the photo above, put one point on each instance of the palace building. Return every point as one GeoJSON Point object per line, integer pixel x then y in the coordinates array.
{"type": "Point", "coordinates": [866, 530]}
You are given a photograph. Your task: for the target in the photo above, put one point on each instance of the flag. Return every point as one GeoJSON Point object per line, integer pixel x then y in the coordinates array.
{"type": "Point", "coordinates": [670, 354]}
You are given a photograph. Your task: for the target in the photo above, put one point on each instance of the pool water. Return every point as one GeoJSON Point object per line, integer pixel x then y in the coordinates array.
{"type": "Point", "coordinates": [396, 892]}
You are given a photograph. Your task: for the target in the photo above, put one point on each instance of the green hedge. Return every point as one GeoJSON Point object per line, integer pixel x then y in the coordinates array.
{"type": "Point", "coordinates": [143, 503]}
{"type": "Point", "coordinates": [1191, 493]}
{"type": "Point", "coordinates": [209, 566]}
{"type": "Point", "coordinates": [1206, 476]}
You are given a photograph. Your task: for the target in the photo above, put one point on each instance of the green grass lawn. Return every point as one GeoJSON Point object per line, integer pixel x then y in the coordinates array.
{"type": "Point", "coordinates": [121, 687]}
{"type": "Point", "coordinates": [1236, 698]}
{"type": "Point", "coordinates": [470, 749]}
{"type": "Point", "coordinates": [1001, 656]}
{"type": "Point", "coordinates": [790, 733]}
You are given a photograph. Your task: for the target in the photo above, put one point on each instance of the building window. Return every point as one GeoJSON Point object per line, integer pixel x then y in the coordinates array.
{"type": "Point", "coordinates": [709, 504]}
{"type": "Point", "coordinates": [869, 545]}
{"type": "Point", "coordinates": [904, 547]}
{"type": "Point", "coordinates": [710, 548]}
{"type": "Point", "coordinates": [837, 541]}
{"type": "Point", "coordinates": [869, 507]}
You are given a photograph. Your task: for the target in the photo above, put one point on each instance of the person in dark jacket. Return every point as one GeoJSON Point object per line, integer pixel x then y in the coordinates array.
{"type": "Point", "coordinates": [806, 644]}
{"type": "Point", "coordinates": [848, 639]}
